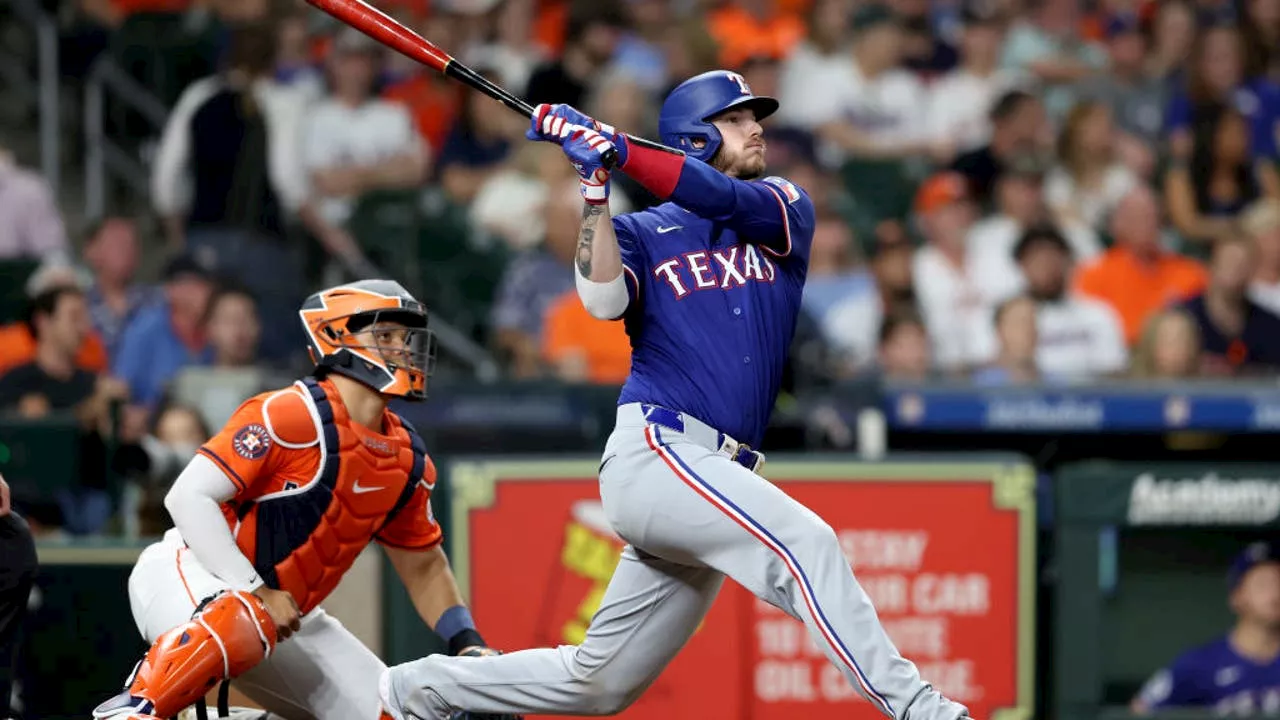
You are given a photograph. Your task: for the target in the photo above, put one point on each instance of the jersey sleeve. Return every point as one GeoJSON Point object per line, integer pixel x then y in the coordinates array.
{"type": "Point", "coordinates": [634, 263]}
{"type": "Point", "coordinates": [782, 222]}
{"type": "Point", "coordinates": [415, 526]}
{"type": "Point", "coordinates": [246, 449]}
{"type": "Point", "coordinates": [1170, 687]}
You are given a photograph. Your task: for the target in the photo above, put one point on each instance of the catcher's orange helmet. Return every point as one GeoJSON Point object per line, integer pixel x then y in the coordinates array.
{"type": "Point", "coordinates": [372, 331]}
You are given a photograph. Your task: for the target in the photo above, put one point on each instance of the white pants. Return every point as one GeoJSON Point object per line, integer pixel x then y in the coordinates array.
{"type": "Point", "coordinates": [322, 671]}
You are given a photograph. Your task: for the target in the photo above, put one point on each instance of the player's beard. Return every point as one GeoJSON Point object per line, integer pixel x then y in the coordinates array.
{"type": "Point", "coordinates": [739, 166]}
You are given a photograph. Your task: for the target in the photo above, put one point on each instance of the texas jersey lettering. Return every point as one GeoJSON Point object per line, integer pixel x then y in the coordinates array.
{"type": "Point", "coordinates": [691, 279]}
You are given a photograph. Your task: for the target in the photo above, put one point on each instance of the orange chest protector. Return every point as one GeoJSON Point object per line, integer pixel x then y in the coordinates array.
{"type": "Point", "coordinates": [305, 539]}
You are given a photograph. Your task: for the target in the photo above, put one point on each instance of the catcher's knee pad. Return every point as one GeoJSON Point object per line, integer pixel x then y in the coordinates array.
{"type": "Point", "coordinates": [228, 635]}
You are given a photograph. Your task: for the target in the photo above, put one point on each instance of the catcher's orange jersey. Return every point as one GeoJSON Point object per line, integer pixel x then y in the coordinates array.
{"type": "Point", "coordinates": [315, 488]}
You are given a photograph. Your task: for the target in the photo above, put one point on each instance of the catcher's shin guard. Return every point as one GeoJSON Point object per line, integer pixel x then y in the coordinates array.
{"type": "Point", "coordinates": [228, 635]}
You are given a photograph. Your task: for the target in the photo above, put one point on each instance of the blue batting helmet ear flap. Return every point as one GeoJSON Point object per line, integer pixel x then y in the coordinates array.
{"type": "Point", "coordinates": [684, 121]}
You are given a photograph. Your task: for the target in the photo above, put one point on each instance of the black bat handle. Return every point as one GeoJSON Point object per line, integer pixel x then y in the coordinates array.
{"type": "Point", "coordinates": [464, 74]}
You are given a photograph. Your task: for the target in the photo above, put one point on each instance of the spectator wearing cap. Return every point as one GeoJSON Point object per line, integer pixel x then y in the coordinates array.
{"type": "Point", "coordinates": [753, 27]}
{"type": "Point", "coordinates": [873, 111]}
{"type": "Point", "coordinates": [1047, 46]}
{"type": "Point", "coordinates": [960, 102]}
{"type": "Point", "coordinates": [817, 64]}
{"type": "Point", "coordinates": [1261, 224]}
{"type": "Point", "coordinates": [954, 297]}
{"type": "Point", "coordinates": [1135, 96]}
{"type": "Point", "coordinates": [1019, 130]}
{"type": "Point", "coordinates": [164, 338]}
{"type": "Point", "coordinates": [32, 227]}
{"type": "Point", "coordinates": [1137, 276]}
{"type": "Point", "coordinates": [354, 142]}
{"type": "Point", "coordinates": [1239, 673]}
{"type": "Point", "coordinates": [111, 252]}
{"type": "Point", "coordinates": [1020, 204]}
{"type": "Point", "coordinates": [590, 42]}
{"type": "Point", "coordinates": [1238, 336]}
{"type": "Point", "coordinates": [1079, 338]}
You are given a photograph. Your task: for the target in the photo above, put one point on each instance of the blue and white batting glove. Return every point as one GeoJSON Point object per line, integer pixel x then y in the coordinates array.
{"type": "Point", "coordinates": [584, 146]}
{"type": "Point", "coordinates": [574, 116]}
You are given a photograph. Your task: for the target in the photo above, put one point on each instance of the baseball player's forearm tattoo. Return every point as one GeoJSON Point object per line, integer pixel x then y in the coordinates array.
{"type": "Point", "coordinates": [590, 216]}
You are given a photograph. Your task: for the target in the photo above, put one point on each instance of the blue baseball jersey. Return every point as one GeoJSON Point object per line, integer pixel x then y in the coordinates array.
{"type": "Point", "coordinates": [1214, 675]}
{"type": "Point", "coordinates": [714, 304]}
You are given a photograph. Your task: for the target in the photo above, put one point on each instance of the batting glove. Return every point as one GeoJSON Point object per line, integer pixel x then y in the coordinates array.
{"type": "Point", "coordinates": [572, 115]}
{"type": "Point", "coordinates": [584, 146]}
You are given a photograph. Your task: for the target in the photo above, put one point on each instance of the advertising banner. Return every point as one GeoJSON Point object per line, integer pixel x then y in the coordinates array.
{"type": "Point", "coordinates": [945, 551]}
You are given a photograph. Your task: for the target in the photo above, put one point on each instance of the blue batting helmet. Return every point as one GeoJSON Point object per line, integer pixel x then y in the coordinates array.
{"type": "Point", "coordinates": [686, 110]}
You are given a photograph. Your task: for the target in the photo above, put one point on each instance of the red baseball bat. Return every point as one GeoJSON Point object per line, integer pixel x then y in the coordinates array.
{"type": "Point", "coordinates": [390, 32]}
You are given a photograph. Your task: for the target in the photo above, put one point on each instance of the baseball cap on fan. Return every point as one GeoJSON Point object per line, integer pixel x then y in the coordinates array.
{"type": "Point", "coordinates": [1258, 553]}
{"type": "Point", "coordinates": [940, 190]}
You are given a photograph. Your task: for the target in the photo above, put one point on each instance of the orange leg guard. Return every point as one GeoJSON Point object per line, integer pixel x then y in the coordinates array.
{"type": "Point", "coordinates": [227, 636]}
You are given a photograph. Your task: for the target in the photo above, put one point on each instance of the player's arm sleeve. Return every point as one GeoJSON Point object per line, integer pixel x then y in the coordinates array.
{"type": "Point", "coordinates": [195, 504]}
{"type": "Point", "coordinates": [248, 446]}
{"type": "Point", "coordinates": [415, 526]}
{"type": "Point", "coordinates": [1168, 688]}
{"type": "Point", "coordinates": [610, 300]}
{"type": "Point", "coordinates": [773, 213]}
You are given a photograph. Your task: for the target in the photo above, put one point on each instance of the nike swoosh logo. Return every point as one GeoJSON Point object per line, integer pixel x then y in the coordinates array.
{"type": "Point", "coordinates": [665, 230]}
{"type": "Point", "coordinates": [362, 490]}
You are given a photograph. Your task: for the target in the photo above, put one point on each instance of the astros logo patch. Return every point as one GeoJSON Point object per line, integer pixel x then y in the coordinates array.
{"type": "Point", "coordinates": [251, 442]}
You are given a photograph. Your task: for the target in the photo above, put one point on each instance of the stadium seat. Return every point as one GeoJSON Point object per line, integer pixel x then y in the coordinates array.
{"type": "Point", "coordinates": [13, 294]}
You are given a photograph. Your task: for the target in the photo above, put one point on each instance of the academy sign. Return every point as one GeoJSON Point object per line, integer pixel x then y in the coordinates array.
{"type": "Point", "coordinates": [1206, 500]}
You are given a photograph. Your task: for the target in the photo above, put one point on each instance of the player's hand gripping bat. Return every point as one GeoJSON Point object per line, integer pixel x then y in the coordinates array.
{"type": "Point", "coordinates": [388, 31]}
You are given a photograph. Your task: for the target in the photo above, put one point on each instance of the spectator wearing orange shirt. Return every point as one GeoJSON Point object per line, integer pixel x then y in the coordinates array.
{"type": "Point", "coordinates": [582, 349]}
{"type": "Point", "coordinates": [1137, 276]}
{"type": "Point", "coordinates": [747, 28]}
{"type": "Point", "coordinates": [17, 339]}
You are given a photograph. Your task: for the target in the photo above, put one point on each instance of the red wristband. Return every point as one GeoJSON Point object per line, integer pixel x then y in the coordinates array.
{"type": "Point", "coordinates": [657, 171]}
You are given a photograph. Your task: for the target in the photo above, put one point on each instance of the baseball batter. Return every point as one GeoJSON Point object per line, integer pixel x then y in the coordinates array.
{"type": "Point", "coordinates": [276, 507]}
{"type": "Point", "coordinates": [708, 286]}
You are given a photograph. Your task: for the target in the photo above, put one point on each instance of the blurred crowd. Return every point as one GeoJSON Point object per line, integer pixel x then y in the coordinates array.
{"type": "Point", "coordinates": [1008, 191]}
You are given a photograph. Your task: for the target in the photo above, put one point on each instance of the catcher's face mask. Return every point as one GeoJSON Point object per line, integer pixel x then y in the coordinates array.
{"type": "Point", "coordinates": [380, 340]}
